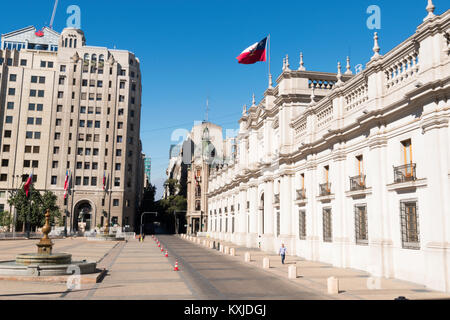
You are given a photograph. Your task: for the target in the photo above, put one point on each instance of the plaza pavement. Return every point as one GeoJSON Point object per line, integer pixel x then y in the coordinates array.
{"type": "Point", "coordinates": [137, 271]}
{"type": "Point", "coordinates": [353, 284]}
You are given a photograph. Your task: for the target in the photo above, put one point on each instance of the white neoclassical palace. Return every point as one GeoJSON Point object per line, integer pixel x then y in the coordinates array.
{"type": "Point", "coordinates": [352, 170]}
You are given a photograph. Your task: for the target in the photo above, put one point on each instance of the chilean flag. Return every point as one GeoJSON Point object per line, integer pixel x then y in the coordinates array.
{"type": "Point", "coordinates": [254, 53]}
{"type": "Point", "coordinates": [66, 184]}
{"type": "Point", "coordinates": [27, 185]}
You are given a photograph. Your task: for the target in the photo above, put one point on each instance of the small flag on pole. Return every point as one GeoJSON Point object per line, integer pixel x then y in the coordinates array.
{"type": "Point", "coordinates": [27, 185]}
{"type": "Point", "coordinates": [66, 184]}
{"type": "Point", "coordinates": [254, 53]}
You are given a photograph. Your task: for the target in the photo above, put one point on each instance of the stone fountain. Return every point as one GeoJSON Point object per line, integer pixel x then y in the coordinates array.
{"type": "Point", "coordinates": [45, 262]}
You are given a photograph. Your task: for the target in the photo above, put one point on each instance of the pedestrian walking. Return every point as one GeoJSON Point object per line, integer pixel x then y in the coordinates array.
{"type": "Point", "coordinates": [282, 253]}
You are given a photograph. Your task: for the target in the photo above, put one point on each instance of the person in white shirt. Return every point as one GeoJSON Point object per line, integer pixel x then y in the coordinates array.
{"type": "Point", "coordinates": [282, 253]}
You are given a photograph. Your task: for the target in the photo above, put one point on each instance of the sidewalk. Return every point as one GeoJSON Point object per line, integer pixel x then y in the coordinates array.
{"type": "Point", "coordinates": [353, 284]}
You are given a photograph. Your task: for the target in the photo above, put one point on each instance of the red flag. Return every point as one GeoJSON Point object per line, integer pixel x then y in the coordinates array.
{"type": "Point", "coordinates": [39, 33]}
{"type": "Point", "coordinates": [254, 53]}
{"type": "Point", "coordinates": [66, 184]}
{"type": "Point", "coordinates": [27, 185]}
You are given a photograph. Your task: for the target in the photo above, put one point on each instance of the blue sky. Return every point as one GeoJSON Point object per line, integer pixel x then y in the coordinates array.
{"type": "Point", "coordinates": [187, 49]}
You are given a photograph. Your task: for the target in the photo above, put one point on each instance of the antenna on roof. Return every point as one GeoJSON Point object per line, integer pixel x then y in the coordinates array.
{"type": "Point", "coordinates": [53, 14]}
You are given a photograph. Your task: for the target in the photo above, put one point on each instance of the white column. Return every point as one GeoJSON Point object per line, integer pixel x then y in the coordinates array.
{"type": "Point", "coordinates": [268, 236]}
{"type": "Point", "coordinates": [433, 209]}
{"type": "Point", "coordinates": [338, 185]}
{"type": "Point", "coordinates": [312, 214]}
{"type": "Point", "coordinates": [376, 208]}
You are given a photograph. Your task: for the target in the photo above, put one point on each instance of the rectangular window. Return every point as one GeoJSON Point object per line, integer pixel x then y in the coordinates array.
{"type": "Point", "coordinates": [6, 148]}
{"type": "Point", "coordinates": [54, 180]}
{"type": "Point", "coordinates": [10, 105]}
{"type": "Point", "coordinates": [77, 181]}
{"type": "Point", "coordinates": [115, 202]}
{"type": "Point", "coordinates": [407, 156]}
{"type": "Point", "coordinates": [409, 225]}
{"type": "Point", "coordinates": [7, 133]}
{"type": "Point", "coordinates": [327, 225]}
{"type": "Point", "coordinates": [36, 149]}
{"type": "Point", "coordinates": [12, 91]}
{"type": "Point", "coordinates": [85, 181]}
{"type": "Point", "coordinates": [8, 119]}
{"type": "Point", "coordinates": [361, 230]}
{"type": "Point", "coordinates": [13, 77]}
{"type": "Point", "coordinates": [302, 224]}
{"type": "Point", "coordinates": [94, 181]}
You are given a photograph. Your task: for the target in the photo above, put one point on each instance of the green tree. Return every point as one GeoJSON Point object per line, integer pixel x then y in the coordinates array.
{"type": "Point", "coordinates": [33, 209]}
{"type": "Point", "coordinates": [5, 219]}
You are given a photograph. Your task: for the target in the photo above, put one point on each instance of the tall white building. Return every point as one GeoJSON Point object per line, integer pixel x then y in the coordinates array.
{"type": "Point", "coordinates": [69, 107]}
{"type": "Point", "coordinates": [352, 170]}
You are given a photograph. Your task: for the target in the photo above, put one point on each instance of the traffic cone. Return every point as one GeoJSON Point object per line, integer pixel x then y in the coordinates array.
{"type": "Point", "coordinates": [167, 254]}
{"type": "Point", "coordinates": [176, 266]}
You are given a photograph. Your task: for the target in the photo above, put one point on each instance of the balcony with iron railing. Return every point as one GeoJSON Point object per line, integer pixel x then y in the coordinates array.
{"type": "Point", "coordinates": [358, 183]}
{"type": "Point", "coordinates": [301, 194]}
{"type": "Point", "coordinates": [325, 189]}
{"type": "Point", "coordinates": [405, 173]}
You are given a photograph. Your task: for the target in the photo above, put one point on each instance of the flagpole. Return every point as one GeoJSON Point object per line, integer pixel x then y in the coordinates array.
{"type": "Point", "coordinates": [270, 74]}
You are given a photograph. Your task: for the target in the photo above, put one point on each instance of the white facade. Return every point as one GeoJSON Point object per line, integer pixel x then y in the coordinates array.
{"type": "Point", "coordinates": [387, 128]}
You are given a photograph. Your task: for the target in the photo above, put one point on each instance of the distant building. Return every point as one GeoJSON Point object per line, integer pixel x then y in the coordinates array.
{"type": "Point", "coordinates": [203, 149]}
{"type": "Point", "coordinates": [69, 107]}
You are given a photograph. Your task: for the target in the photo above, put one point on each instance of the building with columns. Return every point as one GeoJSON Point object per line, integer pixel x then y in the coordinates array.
{"type": "Point", "coordinates": [70, 107]}
{"type": "Point", "coordinates": [349, 169]}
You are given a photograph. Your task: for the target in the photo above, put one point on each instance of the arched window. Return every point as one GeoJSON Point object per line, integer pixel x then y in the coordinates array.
{"type": "Point", "coordinates": [86, 57]}
{"type": "Point", "coordinates": [70, 43]}
{"type": "Point", "coordinates": [65, 42]}
{"type": "Point", "coordinates": [101, 58]}
{"type": "Point", "coordinates": [94, 57]}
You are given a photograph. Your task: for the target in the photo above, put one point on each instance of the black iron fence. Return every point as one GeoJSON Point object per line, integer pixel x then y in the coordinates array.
{"type": "Point", "coordinates": [358, 183]}
{"type": "Point", "coordinates": [405, 173]}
